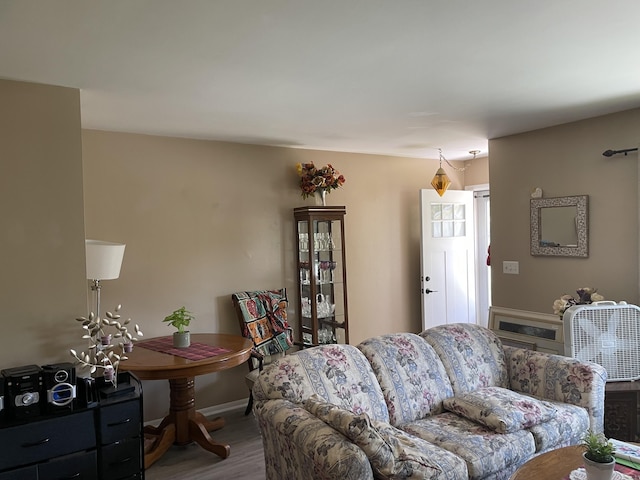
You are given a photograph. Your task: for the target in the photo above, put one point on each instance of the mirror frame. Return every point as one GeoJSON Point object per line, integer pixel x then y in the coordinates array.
{"type": "Point", "coordinates": [582, 225]}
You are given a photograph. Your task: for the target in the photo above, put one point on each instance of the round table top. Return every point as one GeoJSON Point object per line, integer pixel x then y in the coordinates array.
{"type": "Point", "coordinates": [148, 364]}
{"type": "Point", "coordinates": [554, 465]}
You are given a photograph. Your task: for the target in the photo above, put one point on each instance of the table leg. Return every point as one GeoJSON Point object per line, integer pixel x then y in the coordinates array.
{"type": "Point", "coordinates": [201, 437]}
{"type": "Point", "coordinates": [182, 407]}
{"type": "Point", "coordinates": [162, 437]}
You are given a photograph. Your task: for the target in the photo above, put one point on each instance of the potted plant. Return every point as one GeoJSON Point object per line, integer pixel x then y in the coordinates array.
{"type": "Point", "coordinates": [598, 456]}
{"type": "Point", "coordinates": [180, 319]}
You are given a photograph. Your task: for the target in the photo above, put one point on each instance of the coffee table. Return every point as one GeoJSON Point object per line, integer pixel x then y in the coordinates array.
{"type": "Point", "coordinates": [184, 424]}
{"type": "Point", "coordinates": [553, 465]}
{"type": "Point", "coordinates": [557, 465]}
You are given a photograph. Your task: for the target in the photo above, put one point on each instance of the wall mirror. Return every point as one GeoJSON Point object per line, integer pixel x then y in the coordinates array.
{"type": "Point", "coordinates": [559, 226]}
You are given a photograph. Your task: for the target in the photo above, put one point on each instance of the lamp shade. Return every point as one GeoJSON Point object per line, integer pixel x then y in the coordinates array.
{"type": "Point", "coordinates": [104, 259]}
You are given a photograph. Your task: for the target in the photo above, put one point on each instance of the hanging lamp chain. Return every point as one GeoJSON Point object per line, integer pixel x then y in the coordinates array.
{"type": "Point", "coordinates": [458, 169]}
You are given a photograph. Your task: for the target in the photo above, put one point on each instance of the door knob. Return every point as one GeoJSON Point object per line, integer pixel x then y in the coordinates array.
{"type": "Point", "coordinates": [427, 278]}
{"type": "Point", "coordinates": [428, 291]}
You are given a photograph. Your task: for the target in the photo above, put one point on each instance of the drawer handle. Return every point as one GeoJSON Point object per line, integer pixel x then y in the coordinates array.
{"type": "Point", "coordinates": [124, 460]}
{"type": "Point", "coordinates": [36, 444]}
{"type": "Point", "coordinates": [75, 475]}
{"type": "Point", "coordinates": [115, 424]}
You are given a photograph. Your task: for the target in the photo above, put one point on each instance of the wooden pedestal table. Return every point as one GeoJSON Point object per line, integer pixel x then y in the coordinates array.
{"type": "Point", "coordinates": [154, 359]}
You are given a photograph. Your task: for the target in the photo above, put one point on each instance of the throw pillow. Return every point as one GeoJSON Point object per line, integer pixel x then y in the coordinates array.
{"type": "Point", "coordinates": [392, 452]}
{"type": "Point", "coordinates": [499, 409]}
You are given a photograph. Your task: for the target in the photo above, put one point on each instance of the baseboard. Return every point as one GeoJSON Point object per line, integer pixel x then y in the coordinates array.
{"type": "Point", "coordinates": [213, 410]}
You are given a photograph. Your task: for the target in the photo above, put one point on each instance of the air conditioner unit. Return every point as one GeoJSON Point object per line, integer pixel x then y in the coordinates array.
{"type": "Point", "coordinates": [607, 334]}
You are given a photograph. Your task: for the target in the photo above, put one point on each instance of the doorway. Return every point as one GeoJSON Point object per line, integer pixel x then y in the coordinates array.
{"type": "Point", "coordinates": [481, 207]}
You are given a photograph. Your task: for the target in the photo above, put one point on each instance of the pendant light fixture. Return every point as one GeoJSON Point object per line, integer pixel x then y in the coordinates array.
{"type": "Point", "coordinates": [441, 181]}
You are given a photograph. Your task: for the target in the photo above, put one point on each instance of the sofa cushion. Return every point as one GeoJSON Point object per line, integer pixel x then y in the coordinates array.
{"type": "Point", "coordinates": [500, 409]}
{"type": "Point", "coordinates": [488, 454]}
{"type": "Point", "coordinates": [339, 374]}
{"type": "Point", "coordinates": [411, 375]}
{"type": "Point", "coordinates": [472, 356]}
{"type": "Point", "coordinates": [567, 427]}
{"type": "Point", "coordinates": [393, 453]}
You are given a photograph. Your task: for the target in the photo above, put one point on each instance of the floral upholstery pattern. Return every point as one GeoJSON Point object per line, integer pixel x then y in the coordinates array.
{"type": "Point", "coordinates": [299, 445]}
{"type": "Point", "coordinates": [339, 374]}
{"type": "Point", "coordinates": [393, 453]}
{"type": "Point", "coordinates": [501, 410]}
{"type": "Point", "coordinates": [559, 378]}
{"type": "Point", "coordinates": [488, 454]}
{"type": "Point", "coordinates": [411, 375]}
{"type": "Point", "coordinates": [379, 391]}
{"type": "Point", "coordinates": [565, 428]}
{"type": "Point", "coordinates": [472, 356]}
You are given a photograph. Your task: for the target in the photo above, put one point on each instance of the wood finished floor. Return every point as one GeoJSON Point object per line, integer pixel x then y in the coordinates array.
{"type": "Point", "coordinates": [192, 462]}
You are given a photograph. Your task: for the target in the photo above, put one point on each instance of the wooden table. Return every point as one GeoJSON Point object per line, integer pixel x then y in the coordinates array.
{"type": "Point", "coordinates": [184, 424]}
{"type": "Point", "coordinates": [553, 465]}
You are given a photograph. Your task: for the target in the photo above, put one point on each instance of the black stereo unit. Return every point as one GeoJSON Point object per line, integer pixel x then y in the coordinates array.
{"type": "Point", "coordinates": [23, 391]}
{"type": "Point", "coordinates": [59, 386]}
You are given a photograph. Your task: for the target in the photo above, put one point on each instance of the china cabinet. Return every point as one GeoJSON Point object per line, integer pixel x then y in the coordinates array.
{"type": "Point", "coordinates": [322, 276]}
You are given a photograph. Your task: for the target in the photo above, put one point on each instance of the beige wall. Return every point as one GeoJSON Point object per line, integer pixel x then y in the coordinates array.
{"type": "Point", "coordinates": [567, 160]}
{"type": "Point", "coordinates": [200, 219]}
{"type": "Point", "coordinates": [42, 237]}
{"type": "Point", "coordinates": [203, 219]}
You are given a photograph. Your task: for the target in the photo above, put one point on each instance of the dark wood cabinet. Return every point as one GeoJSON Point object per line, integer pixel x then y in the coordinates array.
{"type": "Point", "coordinates": [101, 441]}
{"type": "Point", "coordinates": [621, 410]}
{"type": "Point", "coordinates": [322, 275]}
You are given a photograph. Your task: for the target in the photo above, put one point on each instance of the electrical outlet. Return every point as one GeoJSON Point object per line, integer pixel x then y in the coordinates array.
{"type": "Point", "coordinates": [512, 268]}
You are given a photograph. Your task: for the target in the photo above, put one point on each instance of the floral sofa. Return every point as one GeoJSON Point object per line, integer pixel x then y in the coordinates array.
{"type": "Point", "coordinates": [450, 403]}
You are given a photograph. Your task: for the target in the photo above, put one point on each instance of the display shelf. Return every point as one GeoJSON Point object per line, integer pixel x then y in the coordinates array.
{"type": "Point", "coordinates": [322, 279]}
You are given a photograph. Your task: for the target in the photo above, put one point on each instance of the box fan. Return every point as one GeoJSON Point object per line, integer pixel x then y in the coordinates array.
{"type": "Point", "coordinates": [606, 333]}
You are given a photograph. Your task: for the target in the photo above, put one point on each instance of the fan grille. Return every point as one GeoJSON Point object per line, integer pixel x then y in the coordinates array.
{"type": "Point", "coordinates": [607, 335]}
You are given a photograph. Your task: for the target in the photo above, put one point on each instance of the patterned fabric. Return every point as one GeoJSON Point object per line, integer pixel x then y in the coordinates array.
{"type": "Point", "coordinates": [472, 356]}
{"type": "Point", "coordinates": [265, 319]}
{"type": "Point", "coordinates": [195, 351]}
{"type": "Point", "coordinates": [298, 445]}
{"type": "Point", "coordinates": [563, 379]}
{"type": "Point", "coordinates": [500, 409]}
{"type": "Point", "coordinates": [411, 375]}
{"type": "Point", "coordinates": [393, 454]}
{"type": "Point", "coordinates": [339, 374]}
{"type": "Point", "coordinates": [567, 427]}
{"type": "Point", "coordinates": [488, 454]}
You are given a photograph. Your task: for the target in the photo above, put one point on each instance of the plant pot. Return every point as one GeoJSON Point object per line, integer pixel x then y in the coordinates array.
{"type": "Point", "coordinates": [598, 471]}
{"type": "Point", "coordinates": [181, 339]}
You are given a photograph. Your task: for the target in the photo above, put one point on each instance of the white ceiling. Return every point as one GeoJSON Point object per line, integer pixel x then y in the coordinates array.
{"type": "Point", "coordinates": [397, 77]}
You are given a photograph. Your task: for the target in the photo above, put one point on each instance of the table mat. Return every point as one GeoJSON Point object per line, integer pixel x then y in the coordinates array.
{"type": "Point", "coordinates": [621, 472]}
{"type": "Point", "coordinates": [197, 350]}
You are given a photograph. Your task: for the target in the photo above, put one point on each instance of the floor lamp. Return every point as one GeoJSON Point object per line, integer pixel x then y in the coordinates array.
{"type": "Point", "coordinates": [104, 260]}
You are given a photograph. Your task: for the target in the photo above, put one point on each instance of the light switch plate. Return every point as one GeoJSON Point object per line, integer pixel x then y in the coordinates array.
{"type": "Point", "coordinates": [512, 268]}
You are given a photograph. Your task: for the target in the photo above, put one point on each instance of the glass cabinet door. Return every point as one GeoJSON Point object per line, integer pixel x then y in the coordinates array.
{"type": "Point", "coordinates": [322, 293]}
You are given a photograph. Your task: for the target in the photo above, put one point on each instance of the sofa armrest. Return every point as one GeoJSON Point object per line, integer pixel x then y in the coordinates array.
{"type": "Point", "coordinates": [299, 445]}
{"type": "Point", "coordinates": [558, 378]}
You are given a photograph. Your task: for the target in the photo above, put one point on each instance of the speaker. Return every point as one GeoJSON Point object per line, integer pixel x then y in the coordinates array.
{"type": "Point", "coordinates": [23, 389]}
{"type": "Point", "coordinates": [59, 386]}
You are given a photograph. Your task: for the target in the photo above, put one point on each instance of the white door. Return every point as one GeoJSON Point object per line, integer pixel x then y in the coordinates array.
{"type": "Point", "coordinates": [447, 258]}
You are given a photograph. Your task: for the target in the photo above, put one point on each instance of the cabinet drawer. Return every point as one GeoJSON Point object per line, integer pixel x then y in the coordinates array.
{"type": "Point", "coordinates": [45, 439]}
{"type": "Point", "coordinates": [120, 421]}
{"type": "Point", "coordinates": [121, 459]}
{"type": "Point", "coordinates": [79, 466]}
{"type": "Point", "coordinates": [24, 473]}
